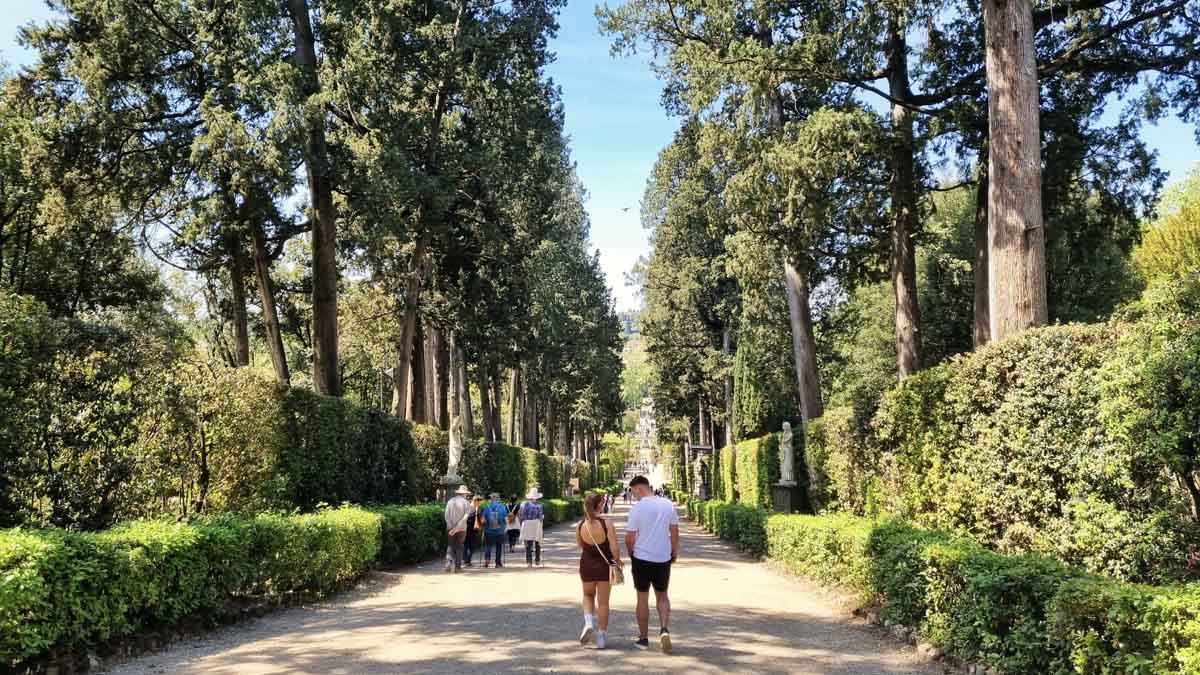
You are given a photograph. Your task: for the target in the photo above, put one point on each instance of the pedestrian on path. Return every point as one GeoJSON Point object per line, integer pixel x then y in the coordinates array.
{"type": "Point", "coordinates": [532, 517]}
{"type": "Point", "coordinates": [513, 526]}
{"type": "Point", "coordinates": [598, 552]}
{"type": "Point", "coordinates": [652, 540]}
{"type": "Point", "coordinates": [494, 516]}
{"type": "Point", "coordinates": [473, 522]}
{"type": "Point", "coordinates": [457, 510]}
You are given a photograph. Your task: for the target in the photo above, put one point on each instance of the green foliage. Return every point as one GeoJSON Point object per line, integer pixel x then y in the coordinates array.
{"type": "Point", "coordinates": [744, 525]}
{"type": "Point", "coordinates": [562, 510]}
{"type": "Point", "coordinates": [70, 590]}
{"type": "Point", "coordinates": [727, 486]}
{"type": "Point", "coordinates": [1017, 614]}
{"type": "Point", "coordinates": [509, 470]}
{"type": "Point", "coordinates": [757, 470]}
{"type": "Point", "coordinates": [1170, 246]}
{"type": "Point", "coordinates": [1045, 442]}
{"type": "Point", "coordinates": [411, 534]}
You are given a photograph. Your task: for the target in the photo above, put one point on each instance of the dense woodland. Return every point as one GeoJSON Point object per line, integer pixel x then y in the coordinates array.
{"type": "Point", "coordinates": [847, 235]}
{"type": "Point", "coordinates": [212, 212]}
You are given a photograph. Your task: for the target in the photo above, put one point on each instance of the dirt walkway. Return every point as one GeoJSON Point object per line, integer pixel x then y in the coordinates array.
{"type": "Point", "coordinates": [731, 614]}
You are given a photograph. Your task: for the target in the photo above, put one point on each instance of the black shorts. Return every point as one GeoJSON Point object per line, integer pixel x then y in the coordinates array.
{"type": "Point", "coordinates": [647, 574]}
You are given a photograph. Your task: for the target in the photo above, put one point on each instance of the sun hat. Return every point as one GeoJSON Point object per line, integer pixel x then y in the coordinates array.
{"type": "Point", "coordinates": [462, 490]}
{"type": "Point", "coordinates": [533, 494]}
{"type": "Point", "coordinates": [494, 495]}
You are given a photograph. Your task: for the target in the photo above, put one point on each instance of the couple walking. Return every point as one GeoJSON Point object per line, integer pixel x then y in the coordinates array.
{"type": "Point", "coordinates": [652, 540]}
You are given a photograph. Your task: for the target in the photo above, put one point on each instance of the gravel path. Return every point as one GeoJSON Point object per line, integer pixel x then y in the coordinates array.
{"type": "Point", "coordinates": [731, 614]}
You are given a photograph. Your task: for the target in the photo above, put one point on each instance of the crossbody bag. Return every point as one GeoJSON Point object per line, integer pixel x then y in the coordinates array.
{"type": "Point", "coordinates": [616, 575]}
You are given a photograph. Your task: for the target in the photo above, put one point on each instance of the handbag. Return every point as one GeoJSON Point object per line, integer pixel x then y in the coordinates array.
{"type": "Point", "coordinates": [616, 575]}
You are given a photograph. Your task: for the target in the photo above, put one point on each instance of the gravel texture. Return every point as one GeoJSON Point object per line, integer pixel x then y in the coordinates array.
{"type": "Point", "coordinates": [731, 614]}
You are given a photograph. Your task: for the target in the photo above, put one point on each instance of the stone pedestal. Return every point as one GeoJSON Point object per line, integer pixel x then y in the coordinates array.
{"type": "Point", "coordinates": [446, 487]}
{"type": "Point", "coordinates": [786, 497]}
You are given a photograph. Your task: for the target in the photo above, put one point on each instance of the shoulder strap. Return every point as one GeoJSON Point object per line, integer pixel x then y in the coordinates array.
{"type": "Point", "coordinates": [598, 550]}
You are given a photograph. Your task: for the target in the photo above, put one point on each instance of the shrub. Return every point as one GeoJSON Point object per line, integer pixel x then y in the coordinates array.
{"type": "Point", "coordinates": [1057, 441]}
{"type": "Point", "coordinates": [1015, 613]}
{"type": "Point", "coordinates": [757, 469]}
{"type": "Point", "coordinates": [727, 468]}
{"type": "Point", "coordinates": [509, 470]}
{"type": "Point", "coordinates": [744, 525]}
{"type": "Point", "coordinates": [411, 534]}
{"type": "Point", "coordinates": [562, 510]}
{"type": "Point", "coordinates": [70, 590]}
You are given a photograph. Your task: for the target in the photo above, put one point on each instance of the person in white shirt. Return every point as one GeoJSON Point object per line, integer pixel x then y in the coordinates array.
{"type": "Point", "coordinates": [652, 541]}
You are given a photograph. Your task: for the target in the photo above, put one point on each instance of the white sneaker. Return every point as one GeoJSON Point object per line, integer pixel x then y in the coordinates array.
{"type": "Point", "coordinates": [601, 640]}
{"type": "Point", "coordinates": [588, 631]}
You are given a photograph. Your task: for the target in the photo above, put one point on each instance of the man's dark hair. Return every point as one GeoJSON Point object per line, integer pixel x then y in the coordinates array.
{"type": "Point", "coordinates": [639, 480]}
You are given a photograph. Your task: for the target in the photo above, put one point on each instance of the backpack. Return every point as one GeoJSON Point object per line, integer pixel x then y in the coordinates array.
{"type": "Point", "coordinates": [493, 518]}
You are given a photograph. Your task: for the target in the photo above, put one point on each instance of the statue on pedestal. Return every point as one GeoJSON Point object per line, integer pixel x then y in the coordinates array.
{"type": "Point", "coordinates": [456, 448]}
{"type": "Point", "coordinates": [787, 457]}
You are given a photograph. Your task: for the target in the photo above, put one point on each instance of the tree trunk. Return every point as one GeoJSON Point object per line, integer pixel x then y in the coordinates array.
{"type": "Point", "coordinates": [464, 392]}
{"type": "Point", "coordinates": [1017, 255]}
{"type": "Point", "coordinates": [903, 189]}
{"type": "Point", "coordinates": [443, 369]}
{"type": "Point", "coordinates": [429, 355]}
{"type": "Point", "coordinates": [408, 329]}
{"type": "Point", "coordinates": [703, 428]}
{"type": "Point", "coordinates": [237, 291]}
{"type": "Point", "coordinates": [515, 436]}
{"type": "Point", "coordinates": [804, 350]}
{"type": "Point", "coordinates": [981, 329]}
{"type": "Point", "coordinates": [727, 348]}
{"type": "Point", "coordinates": [324, 229]}
{"type": "Point", "coordinates": [551, 429]}
{"type": "Point", "coordinates": [455, 380]}
{"type": "Point", "coordinates": [497, 416]}
{"type": "Point", "coordinates": [416, 398]}
{"type": "Point", "coordinates": [485, 405]}
{"type": "Point", "coordinates": [266, 295]}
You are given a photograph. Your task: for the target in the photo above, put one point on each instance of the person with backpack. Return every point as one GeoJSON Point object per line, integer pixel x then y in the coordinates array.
{"type": "Point", "coordinates": [514, 525]}
{"type": "Point", "coordinates": [532, 517]}
{"type": "Point", "coordinates": [474, 526]}
{"type": "Point", "coordinates": [494, 516]}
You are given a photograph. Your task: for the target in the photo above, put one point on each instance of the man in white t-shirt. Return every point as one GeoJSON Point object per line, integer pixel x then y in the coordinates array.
{"type": "Point", "coordinates": [652, 541]}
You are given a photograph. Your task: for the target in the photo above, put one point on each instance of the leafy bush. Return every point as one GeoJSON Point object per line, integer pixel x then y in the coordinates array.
{"type": "Point", "coordinates": [757, 469]}
{"type": "Point", "coordinates": [411, 534]}
{"type": "Point", "coordinates": [64, 589]}
{"type": "Point", "coordinates": [562, 510]}
{"type": "Point", "coordinates": [1015, 613]}
{"type": "Point", "coordinates": [1064, 441]}
{"type": "Point", "coordinates": [509, 470]}
{"type": "Point", "coordinates": [744, 525]}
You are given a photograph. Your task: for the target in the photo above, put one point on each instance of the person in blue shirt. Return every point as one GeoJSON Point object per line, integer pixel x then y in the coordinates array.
{"type": "Point", "coordinates": [494, 517]}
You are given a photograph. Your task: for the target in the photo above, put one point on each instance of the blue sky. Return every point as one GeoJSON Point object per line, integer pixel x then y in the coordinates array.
{"type": "Point", "coordinates": [617, 126]}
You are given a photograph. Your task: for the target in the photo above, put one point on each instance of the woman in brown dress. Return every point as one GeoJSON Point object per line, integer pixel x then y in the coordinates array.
{"type": "Point", "coordinates": [598, 550]}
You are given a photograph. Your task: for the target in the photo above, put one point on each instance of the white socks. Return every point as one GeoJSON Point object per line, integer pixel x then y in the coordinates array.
{"type": "Point", "coordinates": [589, 620]}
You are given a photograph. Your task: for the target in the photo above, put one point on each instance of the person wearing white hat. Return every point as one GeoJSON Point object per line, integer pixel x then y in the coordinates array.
{"type": "Point", "coordinates": [457, 510]}
{"type": "Point", "coordinates": [532, 516]}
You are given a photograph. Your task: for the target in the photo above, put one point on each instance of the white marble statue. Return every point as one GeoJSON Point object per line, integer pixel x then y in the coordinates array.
{"type": "Point", "coordinates": [787, 457]}
{"type": "Point", "coordinates": [456, 446]}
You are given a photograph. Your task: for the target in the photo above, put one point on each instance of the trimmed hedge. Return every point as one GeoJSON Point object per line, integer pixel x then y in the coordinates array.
{"type": "Point", "coordinates": [71, 590]}
{"type": "Point", "coordinates": [744, 525]}
{"type": "Point", "coordinates": [1018, 613]}
{"type": "Point", "coordinates": [1064, 441]}
{"type": "Point", "coordinates": [410, 534]}
{"type": "Point", "coordinates": [562, 510]}
{"type": "Point", "coordinates": [757, 469]}
{"type": "Point", "coordinates": [510, 470]}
